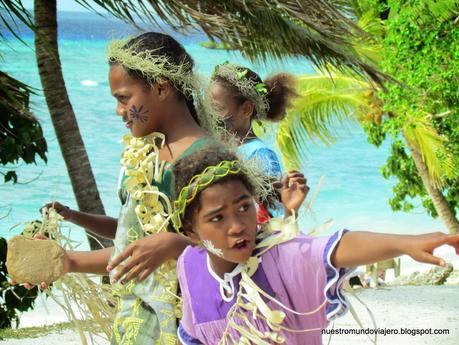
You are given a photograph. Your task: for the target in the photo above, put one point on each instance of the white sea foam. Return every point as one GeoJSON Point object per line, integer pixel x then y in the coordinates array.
{"type": "Point", "coordinates": [89, 83]}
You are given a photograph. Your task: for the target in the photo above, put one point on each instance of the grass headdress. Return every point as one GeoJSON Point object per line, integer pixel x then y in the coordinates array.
{"type": "Point", "coordinates": [248, 87]}
{"type": "Point", "coordinates": [153, 66]}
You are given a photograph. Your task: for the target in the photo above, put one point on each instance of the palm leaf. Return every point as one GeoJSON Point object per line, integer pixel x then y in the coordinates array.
{"type": "Point", "coordinates": [438, 159]}
{"type": "Point", "coordinates": [316, 29]}
{"type": "Point", "coordinates": [12, 10]}
{"type": "Point", "coordinates": [324, 102]}
{"type": "Point", "coordinates": [319, 30]}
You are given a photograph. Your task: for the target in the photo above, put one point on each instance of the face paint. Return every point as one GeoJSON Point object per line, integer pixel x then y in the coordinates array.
{"type": "Point", "coordinates": [138, 114]}
{"type": "Point", "coordinates": [212, 249]}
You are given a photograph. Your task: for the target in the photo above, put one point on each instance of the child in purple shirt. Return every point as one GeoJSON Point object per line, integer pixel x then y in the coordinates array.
{"type": "Point", "coordinates": [247, 285]}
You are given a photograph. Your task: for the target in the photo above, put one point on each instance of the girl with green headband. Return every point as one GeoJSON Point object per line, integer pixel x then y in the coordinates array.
{"type": "Point", "coordinates": [271, 285]}
{"type": "Point", "coordinates": [151, 77]}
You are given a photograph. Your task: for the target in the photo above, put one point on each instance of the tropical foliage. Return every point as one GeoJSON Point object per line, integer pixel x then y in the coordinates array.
{"type": "Point", "coordinates": [13, 299]}
{"type": "Point", "coordinates": [419, 113]}
{"type": "Point", "coordinates": [21, 136]}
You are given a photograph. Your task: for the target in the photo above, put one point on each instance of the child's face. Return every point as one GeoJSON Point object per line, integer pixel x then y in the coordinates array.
{"type": "Point", "coordinates": [227, 221]}
{"type": "Point", "coordinates": [236, 116]}
{"type": "Point", "coordinates": [136, 103]}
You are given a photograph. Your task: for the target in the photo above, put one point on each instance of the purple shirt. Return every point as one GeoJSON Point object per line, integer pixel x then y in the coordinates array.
{"type": "Point", "coordinates": [298, 273]}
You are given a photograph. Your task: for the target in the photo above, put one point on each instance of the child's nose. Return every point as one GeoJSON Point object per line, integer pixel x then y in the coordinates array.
{"type": "Point", "coordinates": [237, 227]}
{"type": "Point", "coordinates": [120, 110]}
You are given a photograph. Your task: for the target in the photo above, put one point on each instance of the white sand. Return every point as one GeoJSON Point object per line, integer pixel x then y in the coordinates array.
{"type": "Point", "coordinates": [412, 307]}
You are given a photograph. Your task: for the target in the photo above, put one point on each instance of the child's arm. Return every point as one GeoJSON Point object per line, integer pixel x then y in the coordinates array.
{"type": "Point", "coordinates": [293, 191]}
{"type": "Point", "coordinates": [147, 254]}
{"type": "Point", "coordinates": [361, 248]}
{"type": "Point", "coordinates": [94, 261]}
{"type": "Point", "coordinates": [97, 224]}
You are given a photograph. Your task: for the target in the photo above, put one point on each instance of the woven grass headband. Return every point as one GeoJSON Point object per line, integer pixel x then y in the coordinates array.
{"type": "Point", "coordinates": [199, 182]}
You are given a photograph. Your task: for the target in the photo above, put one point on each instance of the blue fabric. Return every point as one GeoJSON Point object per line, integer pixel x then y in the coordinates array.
{"type": "Point", "coordinates": [185, 338]}
{"type": "Point", "coordinates": [337, 305]}
{"type": "Point", "coordinates": [258, 150]}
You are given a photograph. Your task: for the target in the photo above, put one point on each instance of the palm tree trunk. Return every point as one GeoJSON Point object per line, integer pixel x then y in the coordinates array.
{"type": "Point", "coordinates": [441, 205]}
{"type": "Point", "coordinates": [62, 115]}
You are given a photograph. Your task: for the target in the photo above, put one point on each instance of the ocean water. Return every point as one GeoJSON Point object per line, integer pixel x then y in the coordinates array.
{"type": "Point", "coordinates": [353, 194]}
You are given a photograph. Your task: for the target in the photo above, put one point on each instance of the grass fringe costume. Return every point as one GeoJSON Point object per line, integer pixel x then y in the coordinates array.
{"type": "Point", "coordinates": [78, 294]}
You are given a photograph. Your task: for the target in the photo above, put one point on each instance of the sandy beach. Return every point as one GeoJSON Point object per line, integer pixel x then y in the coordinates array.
{"type": "Point", "coordinates": [399, 308]}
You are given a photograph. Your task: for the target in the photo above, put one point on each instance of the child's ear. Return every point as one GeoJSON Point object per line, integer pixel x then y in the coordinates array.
{"type": "Point", "coordinates": [188, 228]}
{"type": "Point", "coordinates": [163, 89]}
{"type": "Point", "coordinates": [248, 108]}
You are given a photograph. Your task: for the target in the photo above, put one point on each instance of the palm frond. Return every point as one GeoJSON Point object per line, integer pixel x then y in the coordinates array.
{"type": "Point", "coordinates": [439, 161]}
{"type": "Point", "coordinates": [324, 102]}
{"type": "Point", "coordinates": [319, 30]}
{"type": "Point", "coordinates": [10, 12]}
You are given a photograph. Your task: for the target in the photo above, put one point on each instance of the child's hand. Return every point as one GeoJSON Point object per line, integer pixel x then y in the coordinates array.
{"type": "Point", "coordinates": [145, 255]}
{"type": "Point", "coordinates": [62, 210]}
{"type": "Point", "coordinates": [421, 247]}
{"type": "Point", "coordinates": [293, 191]}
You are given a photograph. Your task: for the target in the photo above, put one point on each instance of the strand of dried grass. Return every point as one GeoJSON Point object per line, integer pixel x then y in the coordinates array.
{"type": "Point", "coordinates": [90, 306]}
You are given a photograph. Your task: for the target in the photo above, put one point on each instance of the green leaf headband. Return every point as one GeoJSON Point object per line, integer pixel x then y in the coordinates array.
{"type": "Point", "coordinates": [246, 86]}
{"type": "Point", "coordinates": [199, 182]}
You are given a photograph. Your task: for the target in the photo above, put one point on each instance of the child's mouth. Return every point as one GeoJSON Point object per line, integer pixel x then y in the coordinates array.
{"type": "Point", "coordinates": [129, 124]}
{"type": "Point", "coordinates": [241, 244]}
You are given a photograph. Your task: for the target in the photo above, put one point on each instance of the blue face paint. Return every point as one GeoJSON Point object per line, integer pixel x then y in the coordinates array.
{"type": "Point", "coordinates": [138, 115]}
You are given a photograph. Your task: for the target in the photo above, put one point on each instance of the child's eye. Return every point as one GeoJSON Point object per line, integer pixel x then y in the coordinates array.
{"type": "Point", "coordinates": [216, 219]}
{"type": "Point", "coordinates": [244, 208]}
{"type": "Point", "coordinates": [121, 99]}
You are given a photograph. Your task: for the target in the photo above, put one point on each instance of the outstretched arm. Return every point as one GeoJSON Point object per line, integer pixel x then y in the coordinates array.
{"type": "Point", "coordinates": [94, 261]}
{"type": "Point", "coordinates": [361, 248]}
{"type": "Point", "coordinates": [97, 224]}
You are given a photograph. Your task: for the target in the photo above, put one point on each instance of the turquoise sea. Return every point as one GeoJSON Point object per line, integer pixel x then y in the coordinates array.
{"type": "Point", "coordinates": [354, 193]}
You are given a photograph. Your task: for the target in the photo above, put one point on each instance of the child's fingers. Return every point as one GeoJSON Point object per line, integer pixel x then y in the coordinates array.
{"type": "Point", "coordinates": [453, 240]}
{"type": "Point", "coordinates": [133, 273]}
{"type": "Point", "coordinates": [298, 180]}
{"type": "Point", "coordinates": [295, 173]}
{"type": "Point", "coordinates": [303, 187]}
{"type": "Point", "coordinates": [285, 181]}
{"type": "Point", "coordinates": [123, 269]}
{"type": "Point", "coordinates": [120, 258]}
{"type": "Point", "coordinates": [431, 259]}
{"type": "Point", "coordinates": [28, 286]}
{"type": "Point", "coordinates": [144, 275]}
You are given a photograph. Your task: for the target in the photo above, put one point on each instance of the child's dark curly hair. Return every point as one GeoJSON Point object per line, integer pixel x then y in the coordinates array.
{"type": "Point", "coordinates": [281, 92]}
{"type": "Point", "coordinates": [184, 170]}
